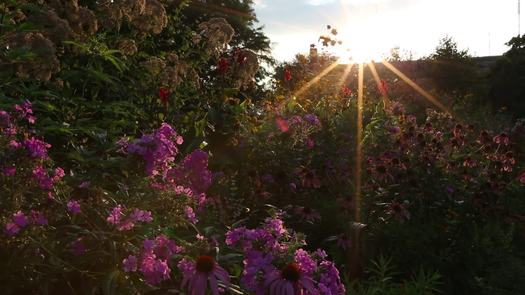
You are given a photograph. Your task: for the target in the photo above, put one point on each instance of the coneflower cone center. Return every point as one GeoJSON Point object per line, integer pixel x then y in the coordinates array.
{"type": "Point", "coordinates": [291, 272]}
{"type": "Point", "coordinates": [205, 264]}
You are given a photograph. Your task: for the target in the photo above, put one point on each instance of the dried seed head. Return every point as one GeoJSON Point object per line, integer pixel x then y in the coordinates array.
{"type": "Point", "coordinates": [153, 20]}
{"type": "Point", "coordinates": [127, 47]}
{"type": "Point", "coordinates": [43, 64]}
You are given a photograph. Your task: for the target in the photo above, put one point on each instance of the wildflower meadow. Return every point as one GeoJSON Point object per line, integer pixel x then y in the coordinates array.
{"type": "Point", "coordinates": [157, 147]}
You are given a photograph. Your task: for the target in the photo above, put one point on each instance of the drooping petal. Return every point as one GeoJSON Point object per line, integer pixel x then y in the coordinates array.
{"type": "Point", "coordinates": [274, 287]}
{"type": "Point", "coordinates": [289, 290]}
{"type": "Point", "coordinates": [222, 275]}
{"type": "Point", "coordinates": [200, 284]}
{"type": "Point", "coordinates": [213, 285]}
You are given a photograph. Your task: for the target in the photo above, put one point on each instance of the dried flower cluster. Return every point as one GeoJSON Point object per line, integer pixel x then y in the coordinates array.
{"type": "Point", "coordinates": [169, 71]}
{"type": "Point", "coordinates": [147, 16]}
{"type": "Point", "coordinates": [216, 33]}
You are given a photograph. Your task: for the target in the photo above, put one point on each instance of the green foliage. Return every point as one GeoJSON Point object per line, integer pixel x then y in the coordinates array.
{"type": "Point", "coordinates": [507, 78]}
{"type": "Point", "coordinates": [452, 70]}
{"type": "Point", "coordinates": [383, 279]}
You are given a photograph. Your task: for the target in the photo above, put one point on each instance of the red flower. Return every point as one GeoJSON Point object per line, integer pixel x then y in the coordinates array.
{"type": "Point", "coordinates": [383, 88]}
{"type": "Point", "coordinates": [287, 75]}
{"type": "Point", "coordinates": [223, 65]}
{"type": "Point", "coordinates": [241, 58]}
{"type": "Point", "coordinates": [346, 91]}
{"type": "Point", "coordinates": [282, 124]}
{"type": "Point", "coordinates": [164, 95]}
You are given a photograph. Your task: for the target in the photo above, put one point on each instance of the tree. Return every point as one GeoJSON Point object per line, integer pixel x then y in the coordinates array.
{"type": "Point", "coordinates": [507, 78]}
{"type": "Point", "coordinates": [451, 69]}
{"type": "Point", "coordinates": [100, 69]}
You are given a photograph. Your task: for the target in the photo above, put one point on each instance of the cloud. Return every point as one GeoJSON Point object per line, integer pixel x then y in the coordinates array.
{"type": "Point", "coordinates": [319, 2]}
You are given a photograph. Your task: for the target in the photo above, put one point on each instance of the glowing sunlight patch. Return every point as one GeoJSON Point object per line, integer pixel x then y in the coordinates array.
{"type": "Point", "coordinates": [363, 43]}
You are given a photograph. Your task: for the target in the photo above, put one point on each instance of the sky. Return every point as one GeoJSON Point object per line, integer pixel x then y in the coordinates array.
{"type": "Point", "coordinates": [373, 27]}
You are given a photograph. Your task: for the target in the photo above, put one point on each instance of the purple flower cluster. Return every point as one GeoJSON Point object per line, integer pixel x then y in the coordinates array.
{"type": "Point", "coordinates": [329, 280]}
{"type": "Point", "coordinates": [20, 220]}
{"type": "Point", "coordinates": [46, 182]}
{"type": "Point", "coordinates": [190, 215]}
{"type": "Point", "coordinates": [36, 148]}
{"type": "Point", "coordinates": [312, 119]}
{"type": "Point", "coordinates": [266, 248]}
{"type": "Point", "coordinates": [117, 218]}
{"type": "Point", "coordinates": [25, 111]}
{"type": "Point", "coordinates": [73, 207]}
{"type": "Point", "coordinates": [158, 150]}
{"type": "Point", "coordinates": [8, 121]}
{"type": "Point", "coordinates": [193, 172]}
{"type": "Point", "coordinates": [153, 262]}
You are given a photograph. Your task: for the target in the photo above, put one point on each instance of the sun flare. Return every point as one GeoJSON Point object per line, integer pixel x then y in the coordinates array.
{"type": "Point", "coordinates": [362, 44]}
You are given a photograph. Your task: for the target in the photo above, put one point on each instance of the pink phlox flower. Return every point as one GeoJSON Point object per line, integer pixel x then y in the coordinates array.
{"type": "Point", "coordinates": [41, 176]}
{"type": "Point", "coordinates": [190, 215]}
{"type": "Point", "coordinates": [129, 264]}
{"type": "Point", "coordinates": [329, 279]}
{"type": "Point", "coordinates": [73, 207]}
{"type": "Point", "coordinates": [11, 229]}
{"type": "Point", "coordinates": [115, 215]}
{"type": "Point", "coordinates": [276, 226]}
{"type": "Point", "coordinates": [305, 262]}
{"type": "Point", "coordinates": [37, 148]}
{"type": "Point", "coordinates": [13, 144]}
{"type": "Point", "coordinates": [155, 270]}
{"type": "Point", "coordinates": [9, 171]}
{"type": "Point", "coordinates": [20, 219]}
{"type": "Point", "coordinates": [38, 218]}
{"type": "Point", "coordinates": [141, 215]}
{"type": "Point", "coordinates": [193, 172]}
{"type": "Point", "coordinates": [59, 174]}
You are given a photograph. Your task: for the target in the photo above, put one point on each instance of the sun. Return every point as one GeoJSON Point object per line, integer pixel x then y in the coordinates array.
{"type": "Point", "coordinates": [361, 44]}
{"type": "Point", "coordinates": [357, 55]}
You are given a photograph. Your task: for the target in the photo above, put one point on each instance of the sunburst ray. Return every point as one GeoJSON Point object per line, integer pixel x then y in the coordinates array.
{"type": "Point", "coordinates": [416, 87]}
{"type": "Point", "coordinates": [384, 95]}
{"type": "Point", "coordinates": [316, 78]}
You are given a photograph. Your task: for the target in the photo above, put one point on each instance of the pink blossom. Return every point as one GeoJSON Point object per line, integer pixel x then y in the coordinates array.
{"type": "Point", "coordinates": [37, 148]}
{"type": "Point", "coordinates": [38, 218]}
{"type": "Point", "coordinates": [11, 229]}
{"type": "Point", "coordinates": [154, 270]}
{"type": "Point", "coordinates": [115, 215]}
{"type": "Point", "coordinates": [9, 171]}
{"type": "Point", "coordinates": [130, 264]}
{"type": "Point", "coordinates": [73, 207]}
{"type": "Point", "coordinates": [141, 215]}
{"type": "Point", "coordinates": [13, 144]}
{"type": "Point", "coordinates": [59, 173]}
{"type": "Point", "coordinates": [190, 215]}
{"type": "Point", "coordinates": [44, 181]}
{"type": "Point", "coordinates": [20, 219]}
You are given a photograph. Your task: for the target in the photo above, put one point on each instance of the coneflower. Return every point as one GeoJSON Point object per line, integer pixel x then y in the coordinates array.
{"type": "Point", "coordinates": [197, 274]}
